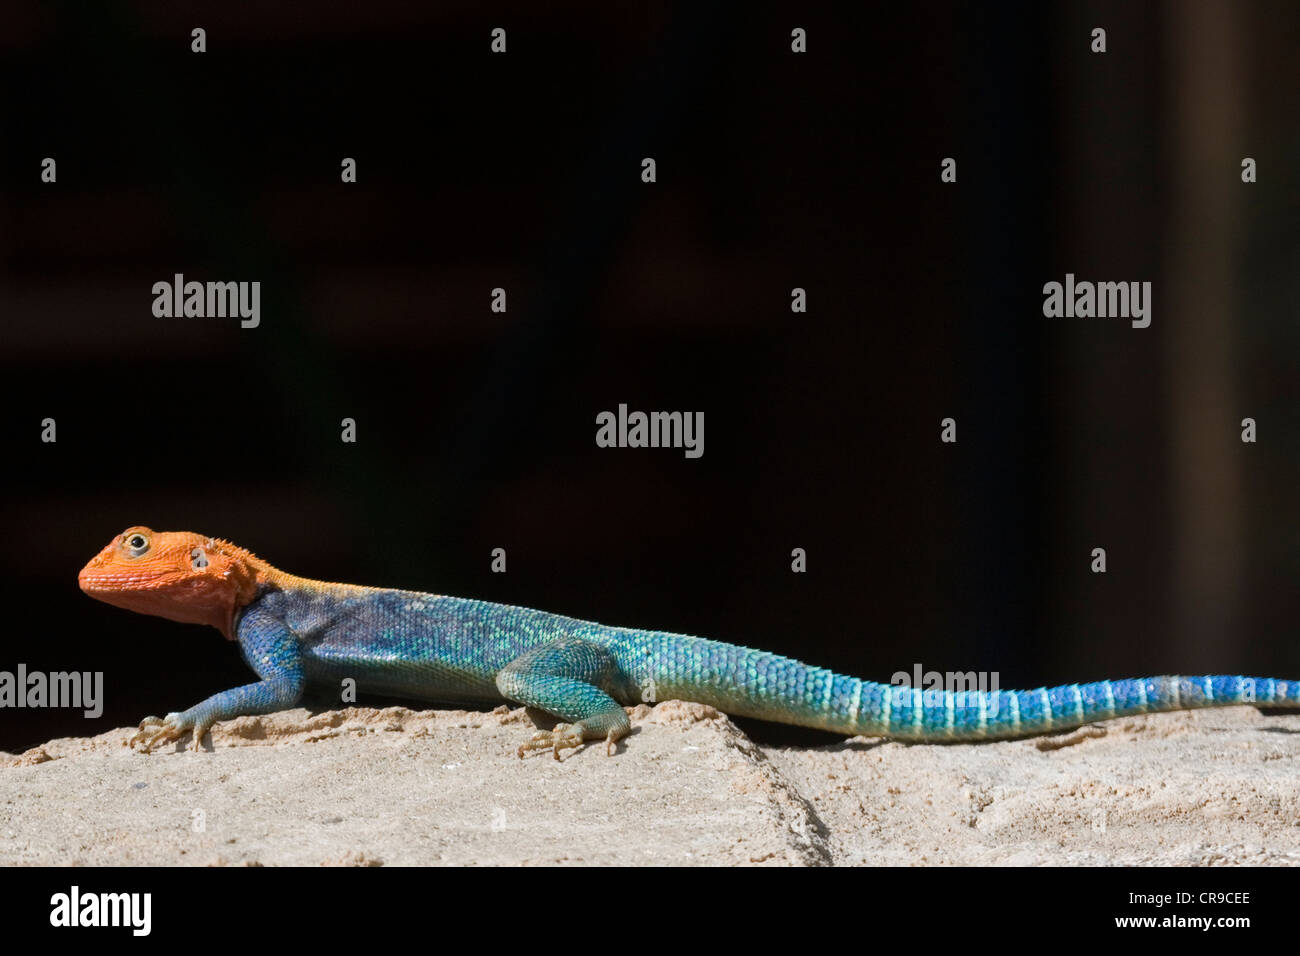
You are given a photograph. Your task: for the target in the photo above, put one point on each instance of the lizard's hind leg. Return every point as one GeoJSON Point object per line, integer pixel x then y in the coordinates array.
{"type": "Point", "coordinates": [570, 678]}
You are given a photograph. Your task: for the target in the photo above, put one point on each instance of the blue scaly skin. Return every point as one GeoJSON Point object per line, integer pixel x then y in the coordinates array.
{"type": "Point", "coordinates": [294, 631]}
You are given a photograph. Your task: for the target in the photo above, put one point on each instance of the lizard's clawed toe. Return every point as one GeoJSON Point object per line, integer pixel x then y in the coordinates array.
{"type": "Point", "coordinates": [145, 734]}
{"type": "Point", "coordinates": [155, 731]}
{"type": "Point", "coordinates": [562, 737]}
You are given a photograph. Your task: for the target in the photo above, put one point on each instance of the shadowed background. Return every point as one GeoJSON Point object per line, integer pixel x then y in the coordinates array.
{"type": "Point", "coordinates": [775, 170]}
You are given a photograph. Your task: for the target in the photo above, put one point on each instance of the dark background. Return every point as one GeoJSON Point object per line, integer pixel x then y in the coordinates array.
{"type": "Point", "coordinates": [476, 430]}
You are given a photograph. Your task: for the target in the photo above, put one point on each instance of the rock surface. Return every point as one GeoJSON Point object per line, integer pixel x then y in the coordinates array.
{"type": "Point", "coordinates": [365, 787]}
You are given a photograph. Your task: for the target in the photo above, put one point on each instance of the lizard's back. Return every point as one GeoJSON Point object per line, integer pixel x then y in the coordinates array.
{"type": "Point", "coordinates": [408, 643]}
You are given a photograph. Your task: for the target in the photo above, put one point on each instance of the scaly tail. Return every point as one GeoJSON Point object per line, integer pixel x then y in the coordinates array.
{"type": "Point", "coordinates": [977, 715]}
{"type": "Point", "coordinates": [752, 683]}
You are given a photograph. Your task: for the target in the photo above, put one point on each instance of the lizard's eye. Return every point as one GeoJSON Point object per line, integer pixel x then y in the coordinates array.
{"type": "Point", "coordinates": [137, 544]}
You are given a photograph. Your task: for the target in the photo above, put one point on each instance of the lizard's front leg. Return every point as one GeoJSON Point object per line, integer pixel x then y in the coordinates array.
{"type": "Point", "coordinates": [271, 649]}
{"type": "Point", "coordinates": [567, 678]}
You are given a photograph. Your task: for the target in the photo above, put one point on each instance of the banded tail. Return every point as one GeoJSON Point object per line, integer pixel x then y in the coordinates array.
{"type": "Point", "coordinates": [768, 686]}
{"type": "Point", "coordinates": [979, 715]}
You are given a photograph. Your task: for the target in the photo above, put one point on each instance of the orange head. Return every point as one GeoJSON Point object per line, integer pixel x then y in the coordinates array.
{"type": "Point", "coordinates": [175, 574]}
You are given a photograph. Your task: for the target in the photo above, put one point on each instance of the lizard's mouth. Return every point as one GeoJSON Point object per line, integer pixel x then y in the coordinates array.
{"type": "Point", "coordinates": [98, 584]}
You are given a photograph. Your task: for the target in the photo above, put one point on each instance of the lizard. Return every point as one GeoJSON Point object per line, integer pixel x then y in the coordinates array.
{"type": "Point", "coordinates": [293, 631]}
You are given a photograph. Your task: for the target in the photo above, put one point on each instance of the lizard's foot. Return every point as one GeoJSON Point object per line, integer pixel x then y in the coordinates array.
{"type": "Point", "coordinates": [565, 736]}
{"type": "Point", "coordinates": [155, 731]}
{"type": "Point", "coordinates": [561, 737]}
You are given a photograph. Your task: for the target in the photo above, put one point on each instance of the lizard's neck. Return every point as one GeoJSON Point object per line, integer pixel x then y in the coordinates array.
{"type": "Point", "coordinates": [256, 577]}
{"type": "Point", "coordinates": [239, 580]}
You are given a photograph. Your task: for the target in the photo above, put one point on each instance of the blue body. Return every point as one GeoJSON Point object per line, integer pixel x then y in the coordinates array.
{"type": "Point", "coordinates": [433, 648]}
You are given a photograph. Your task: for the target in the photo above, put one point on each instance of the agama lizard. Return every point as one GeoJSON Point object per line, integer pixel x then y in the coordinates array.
{"type": "Point", "coordinates": [429, 647]}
